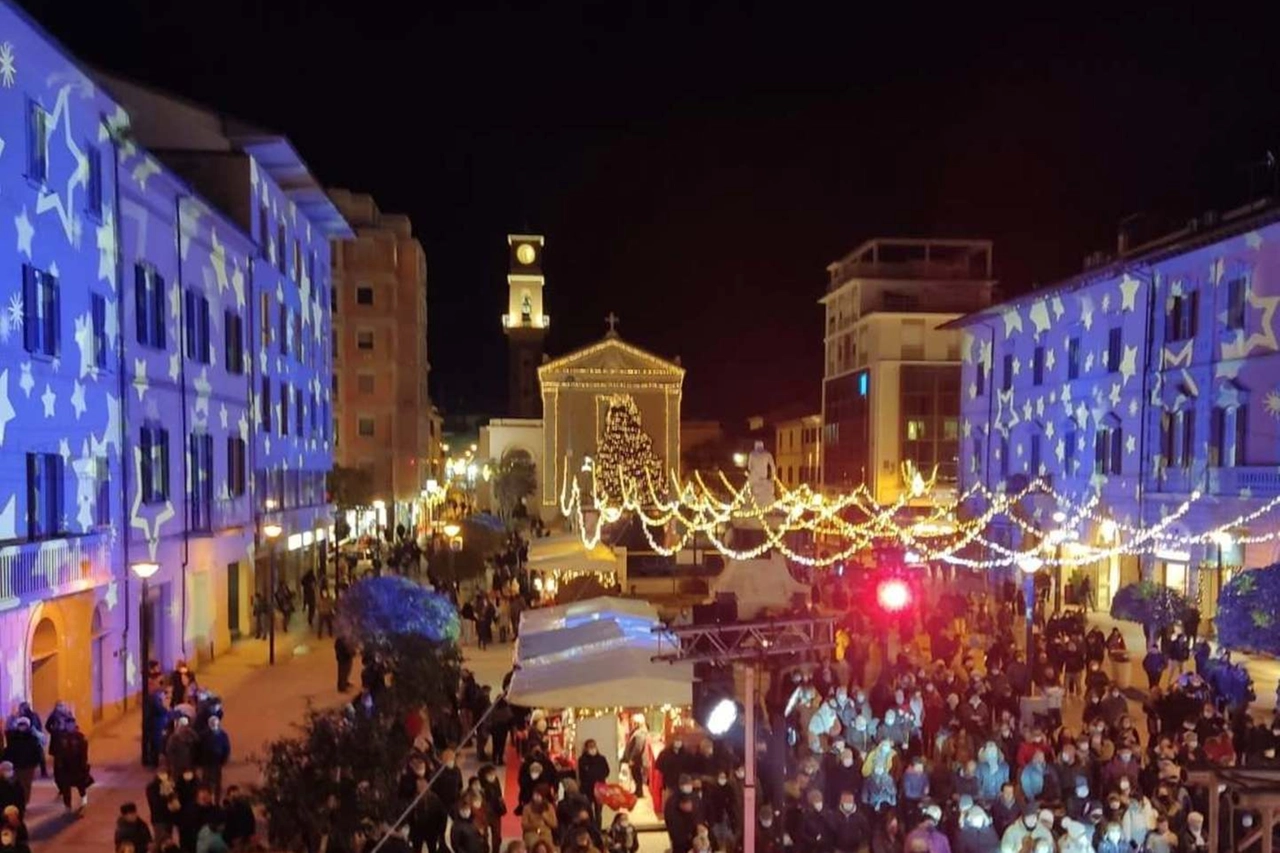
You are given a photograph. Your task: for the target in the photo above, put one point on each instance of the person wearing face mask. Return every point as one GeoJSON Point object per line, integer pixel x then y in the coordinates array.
{"type": "Point", "coordinates": [571, 801]}
{"type": "Point", "coordinates": [823, 723]}
{"type": "Point", "coordinates": [976, 834]}
{"type": "Point", "coordinates": [495, 805]}
{"type": "Point", "coordinates": [846, 711]}
{"type": "Point", "coordinates": [717, 809]}
{"type": "Point", "coordinates": [1015, 838]}
{"type": "Point", "coordinates": [532, 774]}
{"type": "Point", "coordinates": [681, 818]}
{"type": "Point", "coordinates": [593, 769]}
{"type": "Point", "coordinates": [992, 772]}
{"type": "Point", "coordinates": [448, 782]}
{"type": "Point", "coordinates": [464, 836]}
{"type": "Point", "coordinates": [816, 834]}
{"type": "Point", "coordinates": [851, 831]}
{"type": "Point", "coordinates": [1194, 837]}
{"type": "Point", "coordinates": [843, 775]}
{"type": "Point", "coordinates": [538, 820]}
{"type": "Point", "coordinates": [769, 834]}
{"type": "Point", "coordinates": [894, 729]}
{"type": "Point", "coordinates": [672, 763]}
{"type": "Point", "coordinates": [926, 836]}
{"type": "Point", "coordinates": [862, 737]}
{"type": "Point", "coordinates": [1123, 766]}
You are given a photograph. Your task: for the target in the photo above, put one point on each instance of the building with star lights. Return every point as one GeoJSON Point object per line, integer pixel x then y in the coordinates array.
{"type": "Point", "coordinates": [1149, 377]}
{"type": "Point", "coordinates": [164, 375]}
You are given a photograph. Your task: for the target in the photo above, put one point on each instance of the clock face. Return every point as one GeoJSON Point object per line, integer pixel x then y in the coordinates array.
{"type": "Point", "coordinates": [525, 254]}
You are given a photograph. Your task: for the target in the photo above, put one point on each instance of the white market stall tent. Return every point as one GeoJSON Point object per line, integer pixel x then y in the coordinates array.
{"type": "Point", "coordinates": [595, 654]}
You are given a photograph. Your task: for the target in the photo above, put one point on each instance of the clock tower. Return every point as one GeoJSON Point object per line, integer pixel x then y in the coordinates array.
{"type": "Point", "coordinates": [525, 324]}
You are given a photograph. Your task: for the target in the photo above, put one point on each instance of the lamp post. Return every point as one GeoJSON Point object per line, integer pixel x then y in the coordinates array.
{"type": "Point", "coordinates": [272, 532]}
{"type": "Point", "coordinates": [1030, 564]}
{"type": "Point", "coordinates": [144, 572]}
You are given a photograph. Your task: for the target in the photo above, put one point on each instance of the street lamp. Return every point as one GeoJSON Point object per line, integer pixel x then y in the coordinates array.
{"type": "Point", "coordinates": [272, 531]}
{"type": "Point", "coordinates": [452, 532]}
{"type": "Point", "coordinates": [144, 571]}
{"type": "Point", "coordinates": [1030, 564]}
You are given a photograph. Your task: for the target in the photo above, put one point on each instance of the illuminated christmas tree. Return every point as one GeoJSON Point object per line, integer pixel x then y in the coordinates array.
{"type": "Point", "coordinates": [625, 456]}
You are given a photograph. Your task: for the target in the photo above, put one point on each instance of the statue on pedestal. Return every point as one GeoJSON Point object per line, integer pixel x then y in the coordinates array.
{"type": "Point", "coordinates": [760, 475]}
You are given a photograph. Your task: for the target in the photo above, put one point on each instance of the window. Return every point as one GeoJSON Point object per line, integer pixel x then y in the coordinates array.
{"type": "Point", "coordinates": [264, 404]}
{"type": "Point", "coordinates": [1073, 358]}
{"type": "Point", "coordinates": [364, 295]}
{"type": "Point", "coordinates": [148, 293]}
{"type": "Point", "coordinates": [197, 326]}
{"type": "Point", "coordinates": [333, 300]}
{"type": "Point", "coordinates": [365, 426]}
{"type": "Point", "coordinates": [364, 340]}
{"type": "Point", "coordinates": [233, 323]}
{"type": "Point", "coordinates": [1237, 290]}
{"type": "Point", "coordinates": [1033, 463]}
{"type": "Point", "coordinates": [980, 379]}
{"type": "Point", "coordinates": [975, 458]}
{"type": "Point", "coordinates": [1227, 436]}
{"type": "Point", "coordinates": [299, 412]}
{"type": "Point", "coordinates": [40, 309]}
{"type": "Point", "coordinates": [1115, 349]}
{"type": "Point", "coordinates": [1069, 442]}
{"type": "Point", "coordinates": [334, 383]}
{"type": "Point", "coordinates": [98, 308]}
{"type": "Point", "coordinates": [264, 229]}
{"type": "Point", "coordinates": [1037, 366]}
{"type": "Point", "coordinates": [37, 143]}
{"type": "Point", "coordinates": [93, 182]}
{"type": "Point", "coordinates": [101, 492]}
{"type": "Point", "coordinates": [264, 321]}
{"type": "Point", "coordinates": [296, 325]}
{"type": "Point", "coordinates": [44, 495]}
{"type": "Point", "coordinates": [1108, 449]}
{"type": "Point", "coordinates": [1004, 456]}
{"type": "Point", "coordinates": [311, 276]}
{"type": "Point", "coordinates": [284, 408]}
{"type": "Point", "coordinates": [283, 330]}
{"type": "Point", "coordinates": [235, 466]}
{"type": "Point", "coordinates": [312, 411]}
{"type": "Point", "coordinates": [201, 481]}
{"type": "Point", "coordinates": [364, 383]}
{"type": "Point", "coordinates": [915, 429]}
{"type": "Point", "coordinates": [154, 443]}
{"type": "Point", "coordinates": [297, 260]}
{"type": "Point", "coordinates": [1180, 323]}
{"type": "Point", "coordinates": [282, 257]}
{"type": "Point", "coordinates": [1006, 379]}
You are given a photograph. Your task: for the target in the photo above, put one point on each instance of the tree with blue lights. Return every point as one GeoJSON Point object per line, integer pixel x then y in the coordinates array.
{"type": "Point", "coordinates": [1153, 605]}
{"type": "Point", "coordinates": [342, 771]}
{"type": "Point", "coordinates": [1247, 617]}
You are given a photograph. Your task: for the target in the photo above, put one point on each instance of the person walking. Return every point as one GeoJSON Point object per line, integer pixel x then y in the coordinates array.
{"type": "Point", "coordinates": [22, 749]}
{"type": "Point", "coordinates": [70, 750]}
{"type": "Point", "coordinates": [261, 616]}
{"type": "Point", "coordinates": [284, 603]}
{"type": "Point", "coordinates": [131, 829]}
{"type": "Point", "coordinates": [495, 805]}
{"type": "Point", "coordinates": [346, 655]}
{"type": "Point", "coordinates": [324, 613]}
{"type": "Point", "coordinates": [593, 769]}
{"type": "Point", "coordinates": [308, 584]}
{"type": "Point", "coordinates": [215, 751]}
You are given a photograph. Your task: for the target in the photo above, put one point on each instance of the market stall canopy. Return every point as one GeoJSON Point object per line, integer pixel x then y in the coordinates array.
{"type": "Point", "coordinates": [595, 654]}
{"type": "Point", "coordinates": [623, 677]}
{"type": "Point", "coordinates": [603, 609]}
{"type": "Point", "coordinates": [567, 553]}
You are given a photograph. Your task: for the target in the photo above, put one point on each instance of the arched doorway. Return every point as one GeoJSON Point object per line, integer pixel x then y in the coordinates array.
{"type": "Point", "coordinates": [44, 666]}
{"type": "Point", "coordinates": [97, 663]}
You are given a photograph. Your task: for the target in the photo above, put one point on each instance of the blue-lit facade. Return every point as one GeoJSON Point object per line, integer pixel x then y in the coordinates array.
{"type": "Point", "coordinates": [164, 376]}
{"type": "Point", "coordinates": [1143, 380]}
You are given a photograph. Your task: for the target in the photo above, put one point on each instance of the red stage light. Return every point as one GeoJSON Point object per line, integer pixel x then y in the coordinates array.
{"type": "Point", "coordinates": [893, 595]}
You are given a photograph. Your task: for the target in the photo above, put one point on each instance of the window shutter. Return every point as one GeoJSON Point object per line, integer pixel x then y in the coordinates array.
{"type": "Point", "coordinates": [1117, 450]}
{"type": "Point", "coordinates": [30, 313]}
{"type": "Point", "coordinates": [145, 447]}
{"type": "Point", "coordinates": [1238, 455]}
{"type": "Point", "coordinates": [56, 492]}
{"type": "Point", "coordinates": [141, 304]}
{"type": "Point", "coordinates": [1100, 451]}
{"type": "Point", "coordinates": [204, 330]}
{"type": "Point", "coordinates": [163, 491]}
{"type": "Point", "coordinates": [156, 288]}
{"type": "Point", "coordinates": [1217, 435]}
{"type": "Point", "coordinates": [53, 297]}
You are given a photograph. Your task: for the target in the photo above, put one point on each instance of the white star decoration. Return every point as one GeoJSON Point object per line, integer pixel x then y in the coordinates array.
{"type": "Point", "coordinates": [26, 382]}
{"type": "Point", "coordinates": [1129, 363]}
{"type": "Point", "coordinates": [25, 232]}
{"type": "Point", "coordinates": [7, 412]}
{"type": "Point", "coordinates": [65, 207]}
{"type": "Point", "coordinates": [175, 366]}
{"type": "Point", "coordinates": [112, 597]}
{"type": "Point", "coordinates": [77, 399]}
{"type": "Point", "coordinates": [1040, 317]}
{"type": "Point", "coordinates": [222, 415]}
{"type": "Point", "coordinates": [140, 377]}
{"type": "Point", "coordinates": [48, 398]}
{"type": "Point", "coordinates": [84, 342]}
{"type": "Point", "coordinates": [1128, 290]}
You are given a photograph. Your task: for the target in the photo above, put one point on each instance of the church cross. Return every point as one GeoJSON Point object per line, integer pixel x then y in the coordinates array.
{"type": "Point", "coordinates": [612, 320]}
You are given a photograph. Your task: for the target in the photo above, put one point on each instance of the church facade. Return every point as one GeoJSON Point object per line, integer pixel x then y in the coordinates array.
{"type": "Point", "coordinates": [576, 391]}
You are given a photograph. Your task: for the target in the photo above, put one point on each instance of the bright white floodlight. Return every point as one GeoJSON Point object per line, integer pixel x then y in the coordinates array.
{"type": "Point", "coordinates": [722, 717]}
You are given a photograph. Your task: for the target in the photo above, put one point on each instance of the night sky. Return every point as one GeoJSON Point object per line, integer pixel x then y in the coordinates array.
{"type": "Point", "coordinates": [695, 169]}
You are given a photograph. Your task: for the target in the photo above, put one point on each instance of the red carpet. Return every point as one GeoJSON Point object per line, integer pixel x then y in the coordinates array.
{"type": "Point", "coordinates": [511, 792]}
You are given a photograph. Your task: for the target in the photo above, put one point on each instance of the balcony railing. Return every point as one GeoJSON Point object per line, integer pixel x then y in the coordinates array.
{"type": "Point", "coordinates": [37, 570]}
{"type": "Point", "coordinates": [1257, 481]}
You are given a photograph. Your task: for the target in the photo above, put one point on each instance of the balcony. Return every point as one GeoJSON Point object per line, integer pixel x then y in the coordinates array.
{"type": "Point", "coordinates": [1260, 481]}
{"type": "Point", "coordinates": [38, 570]}
{"type": "Point", "coordinates": [526, 321]}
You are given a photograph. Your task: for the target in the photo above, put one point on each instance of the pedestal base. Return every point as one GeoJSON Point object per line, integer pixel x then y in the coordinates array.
{"type": "Point", "coordinates": [759, 585]}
